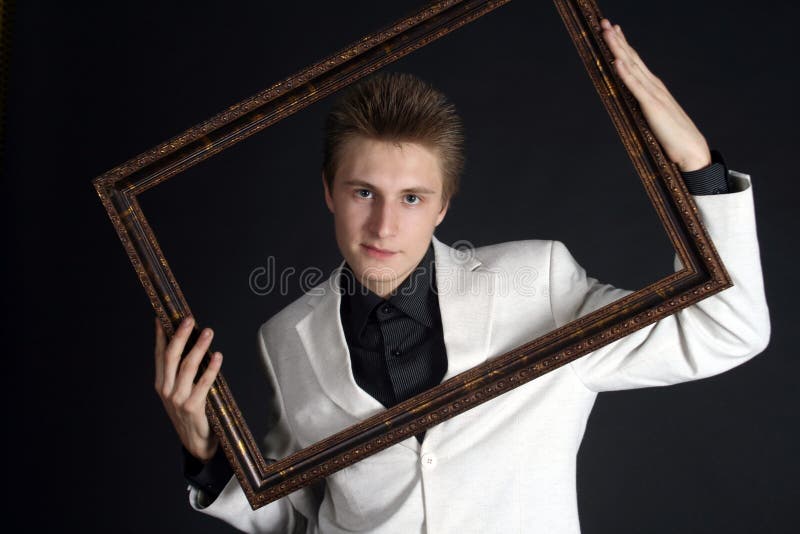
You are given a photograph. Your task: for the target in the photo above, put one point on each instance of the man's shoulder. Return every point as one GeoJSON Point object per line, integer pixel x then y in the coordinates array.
{"type": "Point", "coordinates": [515, 252]}
{"type": "Point", "coordinates": [295, 311]}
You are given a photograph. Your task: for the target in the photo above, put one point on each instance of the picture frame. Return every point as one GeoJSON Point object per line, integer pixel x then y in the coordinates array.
{"type": "Point", "coordinates": [702, 273]}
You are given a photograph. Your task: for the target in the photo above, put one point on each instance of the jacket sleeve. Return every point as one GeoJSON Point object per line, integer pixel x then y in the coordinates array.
{"type": "Point", "coordinates": [705, 339]}
{"type": "Point", "coordinates": [295, 513]}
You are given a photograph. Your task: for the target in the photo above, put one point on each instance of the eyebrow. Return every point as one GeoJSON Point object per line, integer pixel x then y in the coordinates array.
{"type": "Point", "coordinates": [359, 183]}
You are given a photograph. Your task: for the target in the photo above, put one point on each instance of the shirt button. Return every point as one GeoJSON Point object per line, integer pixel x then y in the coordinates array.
{"type": "Point", "coordinates": [428, 461]}
{"type": "Point", "coordinates": [387, 310]}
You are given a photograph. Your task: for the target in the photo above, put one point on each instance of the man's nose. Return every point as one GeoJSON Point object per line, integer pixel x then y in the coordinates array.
{"type": "Point", "coordinates": [383, 219]}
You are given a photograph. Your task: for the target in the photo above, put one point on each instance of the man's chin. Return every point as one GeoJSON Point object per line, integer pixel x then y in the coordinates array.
{"type": "Point", "coordinates": [380, 274]}
{"type": "Point", "coordinates": [377, 271]}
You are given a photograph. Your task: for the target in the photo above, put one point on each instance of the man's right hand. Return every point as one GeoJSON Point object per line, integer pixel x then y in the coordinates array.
{"type": "Point", "coordinates": [184, 400]}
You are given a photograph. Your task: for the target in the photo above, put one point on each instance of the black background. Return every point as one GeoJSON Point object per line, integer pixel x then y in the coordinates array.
{"type": "Point", "coordinates": [87, 440]}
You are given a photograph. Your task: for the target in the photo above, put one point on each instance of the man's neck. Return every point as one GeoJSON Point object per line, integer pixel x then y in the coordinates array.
{"type": "Point", "coordinates": [384, 289]}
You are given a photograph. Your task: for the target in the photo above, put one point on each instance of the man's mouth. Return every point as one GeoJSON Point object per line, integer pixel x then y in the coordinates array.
{"type": "Point", "coordinates": [378, 252]}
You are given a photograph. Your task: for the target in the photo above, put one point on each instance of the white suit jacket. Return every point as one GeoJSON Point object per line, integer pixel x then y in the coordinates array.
{"type": "Point", "coordinates": [508, 465]}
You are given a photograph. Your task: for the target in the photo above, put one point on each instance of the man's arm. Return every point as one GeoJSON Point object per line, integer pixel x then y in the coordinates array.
{"type": "Point", "coordinates": [702, 340]}
{"type": "Point", "coordinates": [184, 400]}
{"type": "Point", "coordinates": [295, 513]}
{"type": "Point", "coordinates": [706, 338]}
{"type": "Point", "coordinates": [682, 141]}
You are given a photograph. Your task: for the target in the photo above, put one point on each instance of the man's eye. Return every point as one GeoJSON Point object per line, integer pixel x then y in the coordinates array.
{"type": "Point", "coordinates": [364, 193]}
{"type": "Point", "coordinates": [412, 199]}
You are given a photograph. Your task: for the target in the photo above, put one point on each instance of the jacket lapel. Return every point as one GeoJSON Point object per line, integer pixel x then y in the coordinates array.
{"type": "Point", "coordinates": [323, 338]}
{"type": "Point", "coordinates": [466, 292]}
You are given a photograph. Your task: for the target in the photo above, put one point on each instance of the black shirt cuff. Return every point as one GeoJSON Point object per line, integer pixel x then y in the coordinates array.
{"type": "Point", "coordinates": [210, 477]}
{"type": "Point", "coordinates": [710, 180]}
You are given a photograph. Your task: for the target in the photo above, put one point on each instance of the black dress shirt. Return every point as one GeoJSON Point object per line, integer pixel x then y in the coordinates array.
{"type": "Point", "coordinates": [396, 344]}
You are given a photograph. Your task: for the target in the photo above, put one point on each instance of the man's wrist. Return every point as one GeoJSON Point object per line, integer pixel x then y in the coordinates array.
{"type": "Point", "coordinates": [697, 163]}
{"type": "Point", "coordinates": [709, 180]}
{"type": "Point", "coordinates": [211, 477]}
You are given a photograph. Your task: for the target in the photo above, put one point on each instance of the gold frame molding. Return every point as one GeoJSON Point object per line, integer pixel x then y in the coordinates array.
{"type": "Point", "coordinates": [702, 275]}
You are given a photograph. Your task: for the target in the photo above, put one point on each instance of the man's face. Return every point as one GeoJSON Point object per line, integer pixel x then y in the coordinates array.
{"type": "Point", "coordinates": [386, 202]}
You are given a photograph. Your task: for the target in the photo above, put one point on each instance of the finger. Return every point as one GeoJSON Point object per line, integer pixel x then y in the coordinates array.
{"type": "Point", "coordinates": [188, 367]}
{"type": "Point", "coordinates": [159, 355]}
{"type": "Point", "coordinates": [650, 85]}
{"type": "Point", "coordinates": [631, 50]}
{"type": "Point", "coordinates": [619, 48]}
{"type": "Point", "coordinates": [641, 91]}
{"type": "Point", "coordinates": [635, 55]}
{"type": "Point", "coordinates": [617, 42]}
{"type": "Point", "coordinates": [650, 81]}
{"type": "Point", "coordinates": [636, 77]}
{"type": "Point", "coordinates": [172, 354]}
{"type": "Point", "coordinates": [206, 380]}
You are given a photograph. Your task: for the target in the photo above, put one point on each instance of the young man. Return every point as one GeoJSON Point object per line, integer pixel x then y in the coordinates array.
{"type": "Point", "coordinates": [404, 311]}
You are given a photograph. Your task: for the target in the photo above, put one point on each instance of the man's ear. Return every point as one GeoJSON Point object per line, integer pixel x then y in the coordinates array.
{"type": "Point", "coordinates": [442, 212]}
{"type": "Point", "coordinates": [328, 195]}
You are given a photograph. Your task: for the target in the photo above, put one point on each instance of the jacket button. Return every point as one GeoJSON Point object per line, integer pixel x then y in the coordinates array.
{"type": "Point", "coordinates": [428, 461]}
{"type": "Point", "coordinates": [396, 353]}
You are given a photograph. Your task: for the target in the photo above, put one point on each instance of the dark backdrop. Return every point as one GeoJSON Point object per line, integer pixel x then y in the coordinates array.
{"type": "Point", "coordinates": [87, 441]}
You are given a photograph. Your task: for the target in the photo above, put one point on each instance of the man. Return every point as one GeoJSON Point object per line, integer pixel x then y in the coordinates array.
{"type": "Point", "coordinates": [392, 321]}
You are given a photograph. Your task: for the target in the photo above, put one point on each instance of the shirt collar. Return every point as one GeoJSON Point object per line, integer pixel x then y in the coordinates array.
{"type": "Point", "coordinates": [415, 296]}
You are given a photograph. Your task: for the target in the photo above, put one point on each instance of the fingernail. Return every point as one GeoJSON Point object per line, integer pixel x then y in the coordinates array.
{"type": "Point", "coordinates": [207, 332]}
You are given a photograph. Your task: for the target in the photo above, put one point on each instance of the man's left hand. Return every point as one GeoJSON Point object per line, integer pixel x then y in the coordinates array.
{"type": "Point", "coordinates": [678, 135]}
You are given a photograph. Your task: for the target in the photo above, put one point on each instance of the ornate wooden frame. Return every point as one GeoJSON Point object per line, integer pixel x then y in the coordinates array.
{"type": "Point", "coordinates": [702, 275]}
